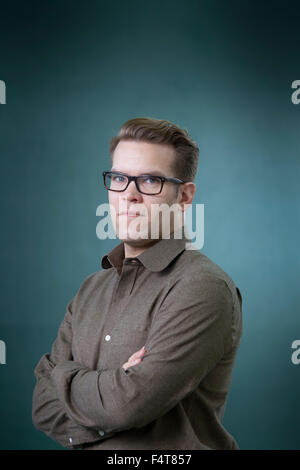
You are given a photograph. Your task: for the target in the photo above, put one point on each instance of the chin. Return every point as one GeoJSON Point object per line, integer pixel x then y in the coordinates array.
{"type": "Point", "coordinates": [127, 235]}
{"type": "Point", "coordinates": [132, 240]}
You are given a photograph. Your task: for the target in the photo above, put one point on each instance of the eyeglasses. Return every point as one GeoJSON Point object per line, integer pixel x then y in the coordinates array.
{"type": "Point", "coordinates": [145, 184]}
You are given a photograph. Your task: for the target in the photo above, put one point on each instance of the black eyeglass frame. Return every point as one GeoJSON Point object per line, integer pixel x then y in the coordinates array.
{"type": "Point", "coordinates": [134, 178]}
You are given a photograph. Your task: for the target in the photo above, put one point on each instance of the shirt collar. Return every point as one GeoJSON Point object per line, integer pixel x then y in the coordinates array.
{"type": "Point", "coordinates": [155, 258]}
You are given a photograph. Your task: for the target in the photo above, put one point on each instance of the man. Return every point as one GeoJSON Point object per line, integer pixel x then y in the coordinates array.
{"type": "Point", "coordinates": [144, 355]}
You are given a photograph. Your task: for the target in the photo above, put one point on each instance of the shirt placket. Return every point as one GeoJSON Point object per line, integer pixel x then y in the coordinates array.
{"type": "Point", "coordinates": [123, 289]}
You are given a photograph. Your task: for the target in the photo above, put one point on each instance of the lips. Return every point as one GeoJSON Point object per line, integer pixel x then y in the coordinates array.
{"type": "Point", "coordinates": [130, 214]}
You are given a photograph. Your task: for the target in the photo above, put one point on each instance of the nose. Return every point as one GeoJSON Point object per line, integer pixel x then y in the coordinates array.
{"type": "Point", "coordinates": [132, 191]}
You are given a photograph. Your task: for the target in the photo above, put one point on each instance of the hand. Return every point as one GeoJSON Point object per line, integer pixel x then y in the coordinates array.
{"type": "Point", "coordinates": [135, 358]}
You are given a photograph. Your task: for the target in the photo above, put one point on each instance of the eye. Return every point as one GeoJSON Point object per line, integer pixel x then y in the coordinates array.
{"type": "Point", "coordinates": [150, 180]}
{"type": "Point", "coordinates": [118, 178]}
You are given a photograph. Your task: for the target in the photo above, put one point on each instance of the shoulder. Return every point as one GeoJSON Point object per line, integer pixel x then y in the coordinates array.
{"type": "Point", "coordinates": [197, 281]}
{"type": "Point", "coordinates": [200, 280]}
{"type": "Point", "coordinates": [92, 282]}
{"type": "Point", "coordinates": [197, 278]}
{"type": "Point", "coordinates": [194, 267]}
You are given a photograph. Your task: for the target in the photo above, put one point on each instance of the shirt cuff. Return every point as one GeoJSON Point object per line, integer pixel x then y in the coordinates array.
{"type": "Point", "coordinates": [78, 435]}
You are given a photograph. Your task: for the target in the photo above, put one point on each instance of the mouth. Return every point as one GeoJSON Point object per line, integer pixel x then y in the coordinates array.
{"type": "Point", "coordinates": [130, 214]}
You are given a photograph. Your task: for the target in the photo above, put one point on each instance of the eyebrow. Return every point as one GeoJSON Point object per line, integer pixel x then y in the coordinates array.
{"type": "Point", "coordinates": [145, 172]}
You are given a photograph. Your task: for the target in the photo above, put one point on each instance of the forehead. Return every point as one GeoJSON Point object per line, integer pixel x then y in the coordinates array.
{"type": "Point", "coordinates": [143, 157]}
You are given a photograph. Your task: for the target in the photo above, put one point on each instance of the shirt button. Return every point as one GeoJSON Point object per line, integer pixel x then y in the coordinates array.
{"type": "Point", "coordinates": [70, 440]}
{"type": "Point", "coordinates": [101, 432]}
{"type": "Point", "coordinates": [107, 337]}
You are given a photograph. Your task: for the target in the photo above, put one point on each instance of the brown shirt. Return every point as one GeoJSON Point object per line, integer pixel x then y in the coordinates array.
{"type": "Point", "coordinates": [187, 313]}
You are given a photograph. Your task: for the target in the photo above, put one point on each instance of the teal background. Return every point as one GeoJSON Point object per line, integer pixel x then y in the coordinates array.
{"type": "Point", "coordinates": [75, 71]}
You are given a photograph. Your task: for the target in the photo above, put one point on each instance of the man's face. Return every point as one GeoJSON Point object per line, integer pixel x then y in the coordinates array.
{"type": "Point", "coordinates": [142, 158]}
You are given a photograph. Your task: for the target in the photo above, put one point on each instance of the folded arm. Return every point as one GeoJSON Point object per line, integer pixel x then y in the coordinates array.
{"type": "Point", "coordinates": [48, 413]}
{"type": "Point", "coordinates": [187, 338]}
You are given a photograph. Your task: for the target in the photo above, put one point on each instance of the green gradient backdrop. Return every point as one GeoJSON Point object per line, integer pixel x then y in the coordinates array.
{"type": "Point", "coordinates": [75, 71]}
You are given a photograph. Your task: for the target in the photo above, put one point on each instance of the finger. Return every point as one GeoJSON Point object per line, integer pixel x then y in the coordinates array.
{"type": "Point", "coordinates": [130, 363]}
{"type": "Point", "coordinates": [135, 356]}
{"type": "Point", "coordinates": [133, 359]}
{"type": "Point", "coordinates": [138, 353]}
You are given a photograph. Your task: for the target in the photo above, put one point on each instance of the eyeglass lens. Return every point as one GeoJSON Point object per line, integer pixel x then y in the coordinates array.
{"type": "Point", "coordinates": [147, 184]}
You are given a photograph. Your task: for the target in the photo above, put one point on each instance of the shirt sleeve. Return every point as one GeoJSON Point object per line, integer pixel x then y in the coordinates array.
{"type": "Point", "coordinates": [187, 338]}
{"type": "Point", "coordinates": [48, 413]}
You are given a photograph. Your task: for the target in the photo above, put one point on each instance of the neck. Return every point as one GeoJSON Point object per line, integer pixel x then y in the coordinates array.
{"type": "Point", "coordinates": [131, 251]}
{"type": "Point", "coordinates": [136, 247]}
